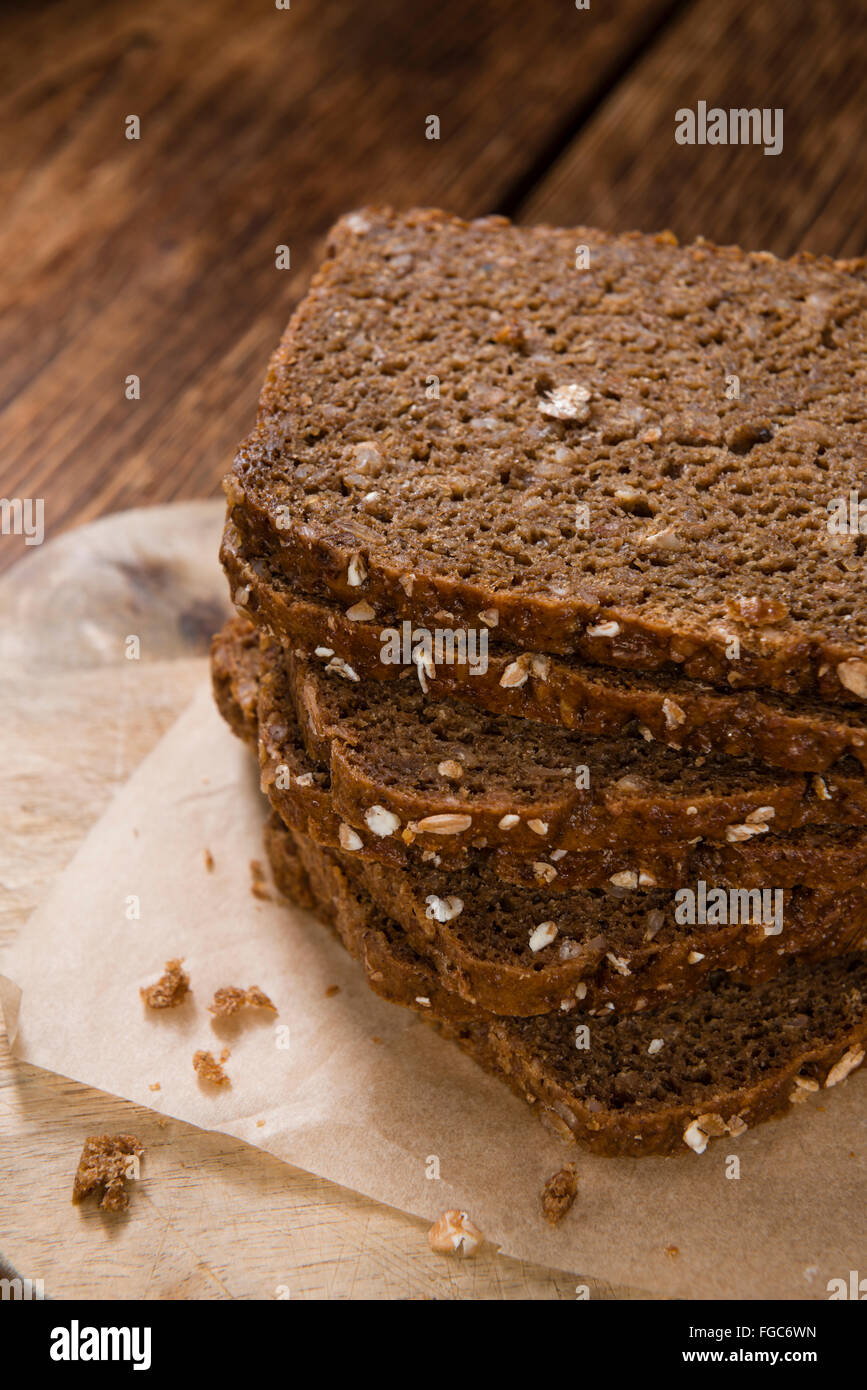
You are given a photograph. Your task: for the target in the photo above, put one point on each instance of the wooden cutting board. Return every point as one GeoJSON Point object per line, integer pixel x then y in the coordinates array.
{"type": "Point", "coordinates": [211, 1218]}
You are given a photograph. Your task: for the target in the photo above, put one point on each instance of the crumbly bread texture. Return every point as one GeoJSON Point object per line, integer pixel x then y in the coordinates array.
{"type": "Point", "coordinates": [559, 1193]}
{"type": "Point", "coordinates": [654, 1082]}
{"type": "Point", "coordinates": [107, 1162]}
{"type": "Point", "coordinates": [795, 733]}
{"type": "Point", "coordinates": [300, 790]}
{"type": "Point", "coordinates": [468, 418]}
{"type": "Point", "coordinates": [230, 1000]}
{"type": "Point", "coordinates": [170, 990]}
{"type": "Point", "coordinates": [209, 1070]}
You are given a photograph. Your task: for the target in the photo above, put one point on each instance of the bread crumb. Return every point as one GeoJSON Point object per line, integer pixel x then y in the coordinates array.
{"type": "Point", "coordinates": [260, 1124]}
{"type": "Point", "coordinates": [209, 861]}
{"type": "Point", "coordinates": [331, 991]}
{"type": "Point", "coordinates": [671, 1251]}
{"type": "Point", "coordinates": [559, 1193]}
{"type": "Point", "coordinates": [171, 988]}
{"type": "Point", "coordinates": [155, 1086]}
{"type": "Point", "coordinates": [107, 1161]}
{"type": "Point", "coordinates": [230, 1000]}
{"type": "Point", "coordinates": [209, 1069]}
{"type": "Point", "coordinates": [454, 1234]}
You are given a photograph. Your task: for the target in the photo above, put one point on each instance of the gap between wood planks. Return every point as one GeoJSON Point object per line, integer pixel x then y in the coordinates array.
{"type": "Point", "coordinates": [574, 121]}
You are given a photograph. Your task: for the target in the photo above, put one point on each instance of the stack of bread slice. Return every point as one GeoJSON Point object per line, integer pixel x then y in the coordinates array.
{"type": "Point", "coordinates": [552, 647]}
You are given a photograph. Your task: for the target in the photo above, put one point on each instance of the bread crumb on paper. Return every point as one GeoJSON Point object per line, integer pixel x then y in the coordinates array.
{"type": "Point", "coordinates": [230, 999]}
{"type": "Point", "coordinates": [209, 1069]}
{"type": "Point", "coordinates": [170, 990]}
{"type": "Point", "coordinates": [559, 1193]}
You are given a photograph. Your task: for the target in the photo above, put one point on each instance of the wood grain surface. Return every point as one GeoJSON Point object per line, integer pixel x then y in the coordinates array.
{"type": "Point", "coordinates": [806, 59]}
{"type": "Point", "coordinates": [211, 1217]}
{"type": "Point", "coordinates": [156, 257]}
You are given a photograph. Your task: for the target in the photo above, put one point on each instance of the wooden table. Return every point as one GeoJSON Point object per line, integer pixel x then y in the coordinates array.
{"type": "Point", "coordinates": [155, 257]}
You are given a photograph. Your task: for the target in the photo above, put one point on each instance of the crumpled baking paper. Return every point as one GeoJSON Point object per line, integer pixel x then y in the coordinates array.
{"type": "Point", "coordinates": [365, 1093]}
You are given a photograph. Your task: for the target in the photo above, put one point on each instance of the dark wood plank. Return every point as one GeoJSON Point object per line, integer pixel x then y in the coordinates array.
{"type": "Point", "coordinates": [156, 257]}
{"type": "Point", "coordinates": [624, 169]}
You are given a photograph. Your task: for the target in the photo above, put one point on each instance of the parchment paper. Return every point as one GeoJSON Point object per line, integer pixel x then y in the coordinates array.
{"type": "Point", "coordinates": [365, 1093]}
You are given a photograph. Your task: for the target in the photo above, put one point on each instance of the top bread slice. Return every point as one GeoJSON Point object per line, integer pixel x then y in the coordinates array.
{"type": "Point", "coordinates": [616, 447]}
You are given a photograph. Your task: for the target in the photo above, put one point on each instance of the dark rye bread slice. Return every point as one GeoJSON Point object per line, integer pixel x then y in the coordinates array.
{"type": "Point", "coordinates": [617, 948]}
{"type": "Point", "coordinates": [522, 952]}
{"type": "Point", "coordinates": [655, 1082]}
{"type": "Point", "coordinates": [783, 731]}
{"type": "Point", "coordinates": [299, 789]}
{"type": "Point", "coordinates": [518, 951]}
{"type": "Point", "coordinates": [441, 773]}
{"type": "Point", "coordinates": [626, 447]}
